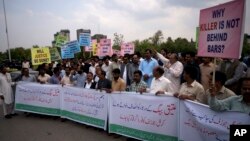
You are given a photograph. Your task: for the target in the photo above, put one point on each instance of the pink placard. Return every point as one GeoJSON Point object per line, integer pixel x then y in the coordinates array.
{"type": "Point", "coordinates": [127, 48]}
{"type": "Point", "coordinates": [105, 47]}
{"type": "Point", "coordinates": [221, 30]}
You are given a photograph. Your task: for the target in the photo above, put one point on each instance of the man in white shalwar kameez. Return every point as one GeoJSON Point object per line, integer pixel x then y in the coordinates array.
{"type": "Point", "coordinates": [6, 93]}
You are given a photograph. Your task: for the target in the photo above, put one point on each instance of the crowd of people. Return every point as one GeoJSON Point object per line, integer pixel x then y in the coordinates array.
{"type": "Point", "coordinates": [184, 76]}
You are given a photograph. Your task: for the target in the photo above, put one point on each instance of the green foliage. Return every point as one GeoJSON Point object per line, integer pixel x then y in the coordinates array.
{"type": "Point", "coordinates": [178, 45]}
{"type": "Point", "coordinates": [20, 53]}
{"type": "Point", "coordinates": [157, 38]}
{"type": "Point", "coordinates": [3, 56]}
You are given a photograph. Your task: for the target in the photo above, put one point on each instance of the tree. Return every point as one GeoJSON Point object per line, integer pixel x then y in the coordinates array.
{"type": "Point", "coordinates": [3, 56]}
{"type": "Point", "coordinates": [157, 38]}
{"type": "Point", "coordinates": [141, 46]}
{"type": "Point", "coordinates": [117, 41]}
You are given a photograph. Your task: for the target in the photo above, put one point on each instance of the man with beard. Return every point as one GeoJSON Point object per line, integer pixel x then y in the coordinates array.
{"type": "Point", "coordinates": [240, 103]}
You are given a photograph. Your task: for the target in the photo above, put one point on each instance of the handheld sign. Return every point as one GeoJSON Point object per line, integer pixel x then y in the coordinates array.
{"type": "Point", "coordinates": [60, 40]}
{"type": "Point", "coordinates": [66, 53]}
{"type": "Point", "coordinates": [73, 46]}
{"type": "Point", "coordinates": [105, 47]}
{"type": "Point", "coordinates": [84, 39]}
{"type": "Point", "coordinates": [54, 54]}
{"type": "Point", "coordinates": [221, 30]}
{"type": "Point", "coordinates": [127, 48]}
{"type": "Point", "coordinates": [40, 55]}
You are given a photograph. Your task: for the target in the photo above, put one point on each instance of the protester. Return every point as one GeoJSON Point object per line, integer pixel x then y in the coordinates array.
{"type": "Point", "coordinates": [173, 69]}
{"type": "Point", "coordinates": [103, 83]}
{"type": "Point", "coordinates": [90, 83]}
{"type": "Point", "coordinates": [190, 61]}
{"type": "Point", "coordinates": [66, 78]}
{"type": "Point", "coordinates": [26, 64]}
{"type": "Point", "coordinates": [124, 70]}
{"type": "Point", "coordinates": [221, 92]}
{"type": "Point", "coordinates": [191, 89]}
{"type": "Point", "coordinates": [26, 76]}
{"type": "Point", "coordinates": [118, 84]}
{"type": "Point", "coordinates": [6, 93]}
{"type": "Point", "coordinates": [239, 103]}
{"type": "Point", "coordinates": [56, 78]}
{"type": "Point", "coordinates": [160, 84]}
{"type": "Point", "coordinates": [234, 70]}
{"type": "Point", "coordinates": [147, 66]}
{"type": "Point", "coordinates": [43, 78]}
{"type": "Point", "coordinates": [78, 76]}
{"type": "Point", "coordinates": [134, 66]}
{"type": "Point", "coordinates": [138, 85]}
{"type": "Point", "coordinates": [206, 68]}
{"type": "Point", "coordinates": [113, 65]}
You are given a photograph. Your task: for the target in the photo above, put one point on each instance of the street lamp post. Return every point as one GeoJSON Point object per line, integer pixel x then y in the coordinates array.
{"type": "Point", "coordinates": [7, 31]}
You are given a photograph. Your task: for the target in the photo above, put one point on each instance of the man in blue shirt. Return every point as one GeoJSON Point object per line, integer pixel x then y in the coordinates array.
{"type": "Point", "coordinates": [147, 66]}
{"type": "Point", "coordinates": [79, 77]}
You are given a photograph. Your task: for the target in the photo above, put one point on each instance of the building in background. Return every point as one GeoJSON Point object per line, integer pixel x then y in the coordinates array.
{"type": "Point", "coordinates": [98, 37]}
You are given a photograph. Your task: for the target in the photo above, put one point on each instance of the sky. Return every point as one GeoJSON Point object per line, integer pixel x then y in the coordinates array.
{"type": "Point", "coordinates": [34, 22]}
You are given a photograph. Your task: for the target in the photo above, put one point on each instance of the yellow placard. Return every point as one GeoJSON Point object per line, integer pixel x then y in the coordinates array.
{"type": "Point", "coordinates": [40, 56]}
{"type": "Point", "coordinates": [95, 49]}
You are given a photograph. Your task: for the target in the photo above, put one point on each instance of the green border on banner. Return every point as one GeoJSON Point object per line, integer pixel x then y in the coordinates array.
{"type": "Point", "coordinates": [82, 118]}
{"type": "Point", "coordinates": [144, 135]}
{"type": "Point", "coordinates": [51, 111]}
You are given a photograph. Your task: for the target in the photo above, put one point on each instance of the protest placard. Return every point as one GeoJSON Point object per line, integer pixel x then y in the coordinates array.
{"type": "Point", "coordinates": [221, 30]}
{"type": "Point", "coordinates": [40, 55]}
{"type": "Point", "coordinates": [105, 47]}
{"type": "Point", "coordinates": [54, 54]}
{"type": "Point", "coordinates": [127, 48]}
{"type": "Point", "coordinates": [73, 46]}
{"type": "Point", "coordinates": [66, 53]}
{"type": "Point", "coordinates": [85, 39]}
{"type": "Point", "coordinates": [60, 40]}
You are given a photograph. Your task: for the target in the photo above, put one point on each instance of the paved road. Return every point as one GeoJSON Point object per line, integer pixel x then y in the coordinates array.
{"type": "Point", "coordinates": [35, 128]}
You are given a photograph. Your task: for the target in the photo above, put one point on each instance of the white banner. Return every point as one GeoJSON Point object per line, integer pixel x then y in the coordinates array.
{"type": "Point", "coordinates": [143, 117]}
{"type": "Point", "coordinates": [37, 98]}
{"type": "Point", "coordinates": [85, 106]}
{"type": "Point", "coordinates": [199, 123]}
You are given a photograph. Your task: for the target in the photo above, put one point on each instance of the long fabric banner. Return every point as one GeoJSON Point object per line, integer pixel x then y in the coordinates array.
{"type": "Point", "coordinates": [143, 117]}
{"type": "Point", "coordinates": [85, 106]}
{"type": "Point", "coordinates": [32, 97]}
{"type": "Point", "coordinates": [199, 123]}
